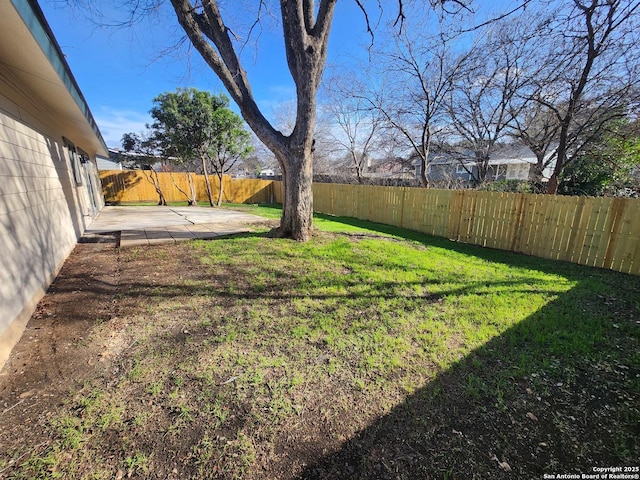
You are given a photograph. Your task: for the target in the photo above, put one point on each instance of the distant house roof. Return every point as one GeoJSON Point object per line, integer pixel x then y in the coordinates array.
{"type": "Point", "coordinates": [510, 154]}
{"type": "Point", "coordinates": [267, 172]}
{"type": "Point", "coordinates": [32, 58]}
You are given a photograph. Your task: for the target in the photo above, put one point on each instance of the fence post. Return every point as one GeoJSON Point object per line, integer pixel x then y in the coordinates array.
{"type": "Point", "coordinates": [402, 200]}
{"type": "Point", "coordinates": [515, 243]}
{"type": "Point", "coordinates": [617, 211]}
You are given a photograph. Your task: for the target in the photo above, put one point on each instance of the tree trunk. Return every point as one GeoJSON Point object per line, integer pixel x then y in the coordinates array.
{"type": "Point", "coordinates": [423, 173]}
{"type": "Point", "coordinates": [220, 189]}
{"type": "Point", "coordinates": [193, 201]}
{"type": "Point", "coordinates": [163, 200]}
{"type": "Point", "coordinates": [206, 181]}
{"type": "Point", "coordinates": [190, 199]}
{"type": "Point", "coordinates": [297, 204]}
{"type": "Point", "coordinates": [552, 184]}
{"type": "Point", "coordinates": [306, 27]}
{"type": "Point", "coordinates": [561, 157]}
{"type": "Point", "coordinates": [537, 175]}
{"type": "Point", "coordinates": [152, 178]}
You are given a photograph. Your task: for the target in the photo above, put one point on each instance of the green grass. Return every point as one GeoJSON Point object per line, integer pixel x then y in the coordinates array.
{"type": "Point", "coordinates": [365, 331]}
{"type": "Point", "coordinates": [266, 210]}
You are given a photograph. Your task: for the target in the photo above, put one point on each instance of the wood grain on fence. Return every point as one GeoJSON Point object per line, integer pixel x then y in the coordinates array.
{"type": "Point", "coordinates": [600, 232]}
{"type": "Point", "coordinates": [129, 186]}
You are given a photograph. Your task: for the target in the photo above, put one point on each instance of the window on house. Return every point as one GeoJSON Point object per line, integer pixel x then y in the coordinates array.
{"type": "Point", "coordinates": [74, 161]}
{"type": "Point", "coordinates": [83, 156]}
{"type": "Point", "coordinates": [460, 169]}
{"type": "Point", "coordinates": [502, 171]}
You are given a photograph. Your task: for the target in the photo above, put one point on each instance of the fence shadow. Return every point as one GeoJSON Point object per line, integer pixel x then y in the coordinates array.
{"type": "Point", "coordinates": [485, 253]}
{"type": "Point", "coordinates": [489, 415]}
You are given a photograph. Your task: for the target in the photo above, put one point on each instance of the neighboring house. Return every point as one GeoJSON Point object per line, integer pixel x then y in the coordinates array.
{"type": "Point", "coordinates": [50, 190]}
{"type": "Point", "coordinates": [108, 164]}
{"type": "Point", "coordinates": [511, 162]}
{"type": "Point", "coordinates": [137, 161]}
{"type": "Point", "coordinates": [267, 173]}
{"type": "Point", "coordinates": [391, 167]}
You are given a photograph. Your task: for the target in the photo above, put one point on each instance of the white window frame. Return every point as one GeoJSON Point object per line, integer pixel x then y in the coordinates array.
{"type": "Point", "coordinates": [460, 169]}
{"type": "Point", "coordinates": [74, 161]}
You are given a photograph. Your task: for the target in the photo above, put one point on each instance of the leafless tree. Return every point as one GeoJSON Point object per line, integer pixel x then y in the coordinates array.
{"type": "Point", "coordinates": [531, 124]}
{"type": "Point", "coordinates": [324, 150]}
{"type": "Point", "coordinates": [306, 34]}
{"type": "Point", "coordinates": [211, 29]}
{"type": "Point", "coordinates": [306, 26]}
{"type": "Point", "coordinates": [536, 127]}
{"type": "Point", "coordinates": [419, 74]}
{"type": "Point", "coordinates": [141, 151]}
{"type": "Point", "coordinates": [356, 123]}
{"type": "Point", "coordinates": [588, 66]}
{"type": "Point", "coordinates": [479, 105]}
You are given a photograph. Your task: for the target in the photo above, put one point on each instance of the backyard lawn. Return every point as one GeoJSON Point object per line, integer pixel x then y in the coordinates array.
{"type": "Point", "coordinates": [367, 352]}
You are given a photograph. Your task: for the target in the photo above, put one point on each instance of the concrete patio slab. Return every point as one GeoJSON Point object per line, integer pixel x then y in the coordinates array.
{"type": "Point", "coordinates": [155, 225]}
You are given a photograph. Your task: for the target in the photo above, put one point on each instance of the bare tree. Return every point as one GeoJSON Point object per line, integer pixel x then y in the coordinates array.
{"type": "Point", "coordinates": [588, 69]}
{"type": "Point", "coordinates": [305, 25]}
{"type": "Point", "coordinates": [306, 33]}
{"type": "Point", "coordinates": [480, 103]}
{"type": "Point", "coordinates": [306, 28]}
{"type": "Point", "coordinates": [531, 124]}
{"type": "Point", "coordinates": [142, 151]}
{"type": "Point", "coordinates": [323, 144]}
{"type": "Point", "coordinates": [357, 123]}
{"type": "Point", "coordinates": [419, 75]}
{"type": "Point", "coordinates": [536, 127]}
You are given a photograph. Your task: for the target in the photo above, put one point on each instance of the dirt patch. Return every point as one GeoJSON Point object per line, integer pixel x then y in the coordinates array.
{"type": "Point", "coordinates": [57, 350]}
{"type": "Point", "coordinates": [181, 362]}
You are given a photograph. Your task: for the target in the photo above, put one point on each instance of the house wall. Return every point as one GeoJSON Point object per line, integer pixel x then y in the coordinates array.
{"type": "Point", "coordinates": [517, 171]}
{"type": "Point", "coordinates": [447, 172]}
{"type": "Point", "coordinates": [43, 211]}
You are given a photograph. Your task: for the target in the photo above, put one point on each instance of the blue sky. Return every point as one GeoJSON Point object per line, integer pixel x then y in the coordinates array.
{"type": "Point", "coordinates": [121, 70]}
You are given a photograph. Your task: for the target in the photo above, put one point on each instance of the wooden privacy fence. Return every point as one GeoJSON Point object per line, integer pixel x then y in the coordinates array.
{"type": "Point", "coordinates": [128, 186]}
{"type": "Point", "coordinates": [600, 232]}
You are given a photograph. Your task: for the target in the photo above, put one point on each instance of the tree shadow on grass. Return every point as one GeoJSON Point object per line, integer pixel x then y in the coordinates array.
{"type": "Point", "coordinates": [513, 259]}
{"type": "Point", "coordinates": [557, 393]}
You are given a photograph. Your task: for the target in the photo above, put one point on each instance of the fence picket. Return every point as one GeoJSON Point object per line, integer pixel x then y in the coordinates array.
{"type": "Point", "coordinates": [600, 232]}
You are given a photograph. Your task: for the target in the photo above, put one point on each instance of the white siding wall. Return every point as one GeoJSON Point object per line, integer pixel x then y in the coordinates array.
{"type": "Point", "coordinates": [42, 214]}
{"type": "Point", "coordinates": [518, 171]}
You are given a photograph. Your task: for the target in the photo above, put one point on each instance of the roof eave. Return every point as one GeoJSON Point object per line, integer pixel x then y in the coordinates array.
{"type": "Point", "coordinates": [34, 18]}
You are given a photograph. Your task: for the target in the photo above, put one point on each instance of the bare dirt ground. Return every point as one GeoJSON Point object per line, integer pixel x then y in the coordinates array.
{"type": "Point", "coordinates": [55, 353]}
{"type": "Point", "coordinates": [79, 348]}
